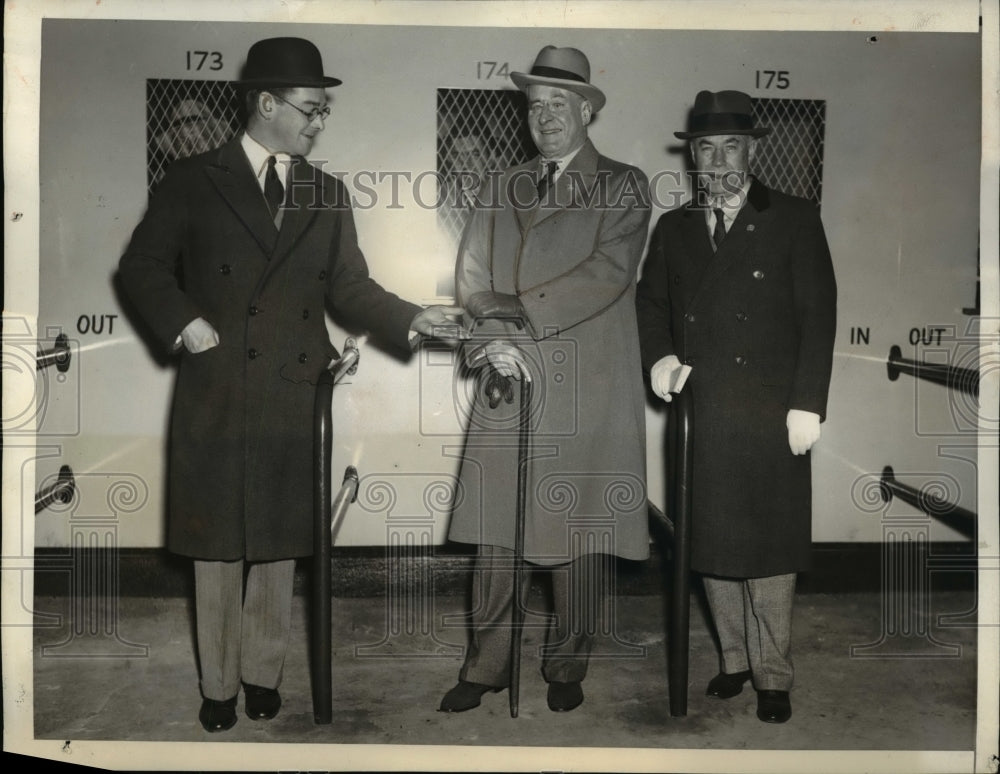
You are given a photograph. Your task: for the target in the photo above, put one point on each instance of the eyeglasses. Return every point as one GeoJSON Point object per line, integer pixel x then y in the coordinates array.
{"type": "Point", "coordinates": [311, 115]}
{"type": "Point", "coordinates": [555, 107]}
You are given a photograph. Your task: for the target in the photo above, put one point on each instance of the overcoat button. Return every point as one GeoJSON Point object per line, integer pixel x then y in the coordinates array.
{"type": "Point", "coordinates": [677, 279]}
{"type": "Point", "coordinates": [253, 310]}
{"type": "Point", "coordinates": [322, 274]}
{"type": "Point", "coordinates": [689, 317]}
{"type": "Point", "coordinates": [750, 227]}
{"type": "Point", "coordinates": [758, 274]}
{"type": "Point", "coordinates": [252, 354]}
{"type": "Point", "coordinates": [741, 316]}
{"type": "Point", "coordinates": [305, 314]}
{"type": "Point", "coordinates": [303, 357]}
{"type": "Point", "coordinates": [740, 360]}
{"type": "Point", "coordinates": [225, 269]}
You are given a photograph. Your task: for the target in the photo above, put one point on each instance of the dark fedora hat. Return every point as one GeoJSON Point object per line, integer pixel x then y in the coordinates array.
{"type": "Point", "coordinates": [566, 68]}
{"type": "Point", "coordinates": [285, 62]}
{"type": "Point", "coordinates": [721, 112]}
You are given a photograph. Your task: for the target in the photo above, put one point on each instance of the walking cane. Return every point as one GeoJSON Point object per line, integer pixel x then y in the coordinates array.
{"type": "Point", "coordinates": [676, 527]}
{"type": "Point", "coordinates": [682, 419]}
{"type": "Point", "coordinates": [327, 516]}
{"type": "Point", "coordinates": [517, 614]}
{"type": "Point", "coordinates": [495, 393]}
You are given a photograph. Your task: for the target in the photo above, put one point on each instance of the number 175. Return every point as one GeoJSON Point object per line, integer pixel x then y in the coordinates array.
{"type": "Point", "coordinates": [777, 79]}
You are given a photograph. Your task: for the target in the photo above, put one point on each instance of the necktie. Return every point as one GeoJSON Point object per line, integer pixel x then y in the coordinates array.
{"type": "Point", "coordinates": [545, 180]}
{"type": "Point", "coordinates": [720, 228]}
{"type": "Point", "coordinates": [274, 191]}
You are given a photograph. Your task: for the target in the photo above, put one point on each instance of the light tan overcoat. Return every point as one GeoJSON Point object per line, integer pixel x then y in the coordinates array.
{"type": "Point", "coordinates": [572, 261]}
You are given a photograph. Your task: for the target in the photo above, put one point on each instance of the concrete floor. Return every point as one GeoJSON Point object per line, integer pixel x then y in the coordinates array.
{"type": "Point", "coordinates": [132, 676]}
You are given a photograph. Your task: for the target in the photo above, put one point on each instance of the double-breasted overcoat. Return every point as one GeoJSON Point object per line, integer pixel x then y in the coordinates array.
{"type": "Point", "coordinates": [572, 262]}
{"type": "Point", "coordinates": [241, 437]}
{"type": "Point", "coordinates": [756, 321]}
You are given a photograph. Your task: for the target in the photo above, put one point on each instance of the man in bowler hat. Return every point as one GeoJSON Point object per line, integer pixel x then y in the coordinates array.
{"type": "Point", "coordinates": [739, 286]}
{"type": "Point", "coordinates": [559, 249]}
{"type": "Point", "coordinates": [263, 241]}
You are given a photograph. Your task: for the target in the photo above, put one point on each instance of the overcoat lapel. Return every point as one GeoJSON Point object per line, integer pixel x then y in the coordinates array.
{"type": "Point", "coordinates": [235, 181]}
{"type": "Point", "coordinates": [737, 244]}
{"type": "Point", "coordinates": [523, 195]}
{"type": "Point", "coordinates": [306, 200]}
{"type": "Point", "coordinates": [580, 172]}
{"type": "Point", "coordinates": [698, 246]}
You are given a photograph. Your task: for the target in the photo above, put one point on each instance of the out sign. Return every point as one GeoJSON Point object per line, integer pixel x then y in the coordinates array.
{"type": "Point", "coordinates": [95, 323]}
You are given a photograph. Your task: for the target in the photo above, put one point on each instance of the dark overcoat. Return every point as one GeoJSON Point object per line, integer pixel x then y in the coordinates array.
{"type": "Point", "coordinates": [756, 323]}
{"type": "Point", "coordinates": [240, 460]}
{"type": "Point", "coordinates": [572, 261]}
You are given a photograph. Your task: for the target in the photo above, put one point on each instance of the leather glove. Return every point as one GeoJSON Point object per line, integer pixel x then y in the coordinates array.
{"type": "Point", "coordinates": [486, 303]}
{"type": "Point", "coordinates": [668, 375]}
{"type": "Point", "coordinates": [199, 336]}
{"type": "Point", "coordinates": [498, 387]}
{"type": "Point", "coordinates": [803, 430]}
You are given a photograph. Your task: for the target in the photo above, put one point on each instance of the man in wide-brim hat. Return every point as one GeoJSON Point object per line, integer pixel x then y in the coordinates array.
{"type": "Point", "coordinates": [565, 264]}
{"type": "Point", "coordinates": [739, 287]}
{"type": "Point", "coordinates": [264, 241]}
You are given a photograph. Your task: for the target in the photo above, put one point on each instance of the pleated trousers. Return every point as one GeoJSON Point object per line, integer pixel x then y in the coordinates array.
{"type": "Point", "coordinates": [242, 633]}
{"type": "Point", "coordinates": [578, 591]}
{"type": "Point", "coordinates": [753, 617]}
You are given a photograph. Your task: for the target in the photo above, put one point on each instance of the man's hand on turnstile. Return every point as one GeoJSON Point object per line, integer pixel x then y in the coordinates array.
{"type": "Point", "coordinates": [486, 303]}
{"type": "Point", "coordinates": [442, 323]}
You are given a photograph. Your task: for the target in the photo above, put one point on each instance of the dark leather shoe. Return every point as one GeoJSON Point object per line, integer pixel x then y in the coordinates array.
{"type": "Point", "coordinates": [217, 715]}
{"type": "Point", "coordinates": [727, 686]}
{"type": "Point", "coordinates": [261, 703]}
{"type": "Point", "coordinates": [564, 697]}
{"type": "Point", "coordinates": [465, 696]}
{"type": "Point", "coordinates": [773, 706]}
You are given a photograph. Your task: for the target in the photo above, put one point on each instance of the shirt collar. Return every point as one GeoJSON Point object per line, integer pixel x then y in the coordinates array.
{"type": "Point", "coordinates": [731, 203]}
{"type": "Point", "coordinates": [562, 161]}
{"type": "Point", "coordinates": [258, 154]}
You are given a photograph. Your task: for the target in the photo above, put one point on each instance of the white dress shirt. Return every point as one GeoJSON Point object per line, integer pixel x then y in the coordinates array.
{"type": "Point", "coordinates": [258, 155]}
{"type": "Point", "coordinates": [561, 163]}
{"type": "Point", "coordinates": [730, 204]}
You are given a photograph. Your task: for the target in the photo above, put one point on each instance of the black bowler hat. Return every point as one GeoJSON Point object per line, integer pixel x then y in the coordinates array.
{"type": "Point", "coordinates": [722, 112]}
{"type": "Point", "coordinates": [285, 62]}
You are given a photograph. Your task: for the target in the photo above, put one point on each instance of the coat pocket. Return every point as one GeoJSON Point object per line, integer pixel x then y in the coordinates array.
{"type": "Point", "coordinates": [308, 364]}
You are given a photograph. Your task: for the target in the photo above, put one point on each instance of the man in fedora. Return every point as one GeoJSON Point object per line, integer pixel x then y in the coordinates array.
{"type": "Point", "coordinates": [558, 250]}
{"type": "Point", "coordinates": [263, 241]}
{"type": "Point", "coordinates": [739, 286]}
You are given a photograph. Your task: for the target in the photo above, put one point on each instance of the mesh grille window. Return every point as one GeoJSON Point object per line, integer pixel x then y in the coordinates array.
{"type": "Point", "coordinates": [184, 118]}
{"type": "Point", "coordinates": [478, 131]}
{"type": "Point", "coordinates": [790, 158]}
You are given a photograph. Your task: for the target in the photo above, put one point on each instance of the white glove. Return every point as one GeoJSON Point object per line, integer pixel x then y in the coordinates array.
{"type": "Point", "coordinates": [507, 360]}
{"type": "Point", "coordinates": [199, 335]}
{"type": "Point", "coordinates": [803, 430]}
{"type": "Point", "coordinates": [668, 375]}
